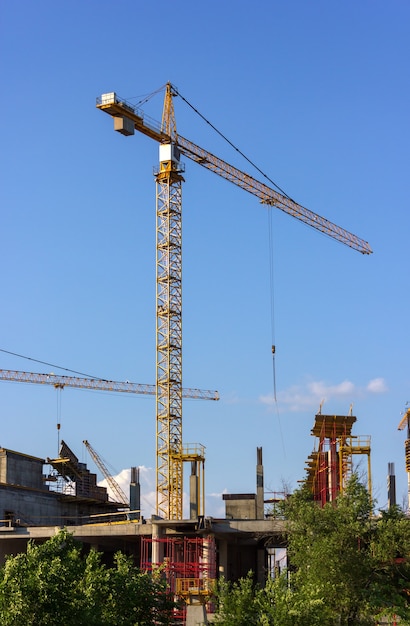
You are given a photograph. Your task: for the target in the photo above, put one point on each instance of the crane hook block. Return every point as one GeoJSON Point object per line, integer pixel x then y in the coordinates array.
{"type": "Point", "coordinates": [273, 349]}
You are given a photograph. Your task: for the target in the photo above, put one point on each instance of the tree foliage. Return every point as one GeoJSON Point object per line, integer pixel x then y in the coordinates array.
{"type": "Point", "coordinates": [55, 583]}
{"type": "Point", "coordinates": [347, 567]}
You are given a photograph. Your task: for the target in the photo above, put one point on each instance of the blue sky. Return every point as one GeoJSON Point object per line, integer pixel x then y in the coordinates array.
{"type": "Point", "coordinates": [317, 94]}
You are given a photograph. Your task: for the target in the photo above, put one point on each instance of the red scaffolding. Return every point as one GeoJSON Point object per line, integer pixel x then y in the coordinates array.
{"type": "Point", "coordinates": [188, 565]}
{"type": "Point", "coordinates": [329, 465]}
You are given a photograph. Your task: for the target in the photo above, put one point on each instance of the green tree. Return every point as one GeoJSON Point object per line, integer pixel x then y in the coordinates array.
{"type": "Point", "coordinates": [239, 603]}
{"type": "Point", "coordinates": [55, 583]}
{"type": "Point", "coordinates": [244, 604]}
{"type": "Point", "coordinates": [346, 568]}
{"type": "Point", "coordinates": [346, 558]}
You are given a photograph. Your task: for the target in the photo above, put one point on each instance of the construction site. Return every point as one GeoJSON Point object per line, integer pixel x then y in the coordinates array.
{"type": "Point", "coordinates": [40, 495]}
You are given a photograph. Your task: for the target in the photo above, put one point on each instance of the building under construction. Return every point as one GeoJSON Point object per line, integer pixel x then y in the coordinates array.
{"type": "Point", "coordinates": [39, 496]}
{"type": "Point", "coordinates": [196, 550]}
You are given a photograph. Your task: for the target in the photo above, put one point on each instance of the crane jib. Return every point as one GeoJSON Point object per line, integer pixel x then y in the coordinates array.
{"type": "Point", "coordinates": [98, 384]}
{"type": "Point", "coordinates": [269, 196]}
{"type": "Point", "coordinates": [128, 118]}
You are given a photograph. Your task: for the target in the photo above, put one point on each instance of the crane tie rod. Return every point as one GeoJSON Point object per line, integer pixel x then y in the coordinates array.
{"type": "Point", "coordinates": [231, 144]}
{"type": "Point", "coordinates": [267, 195]}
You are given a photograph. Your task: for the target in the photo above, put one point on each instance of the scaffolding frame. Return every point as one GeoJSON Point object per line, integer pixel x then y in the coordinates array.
{"type": "Point", "coordinates": [330, 466]}
{"type": "Point", "coordinates": [188, 565]}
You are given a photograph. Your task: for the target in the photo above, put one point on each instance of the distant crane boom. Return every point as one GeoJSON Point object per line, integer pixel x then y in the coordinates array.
{"type": "Point", "coordinates": [120, 496]}
{"type": "Point", "coordinates": [98, 385]}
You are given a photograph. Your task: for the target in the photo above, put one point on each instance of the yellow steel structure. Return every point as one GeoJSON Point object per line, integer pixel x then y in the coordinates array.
{"type": "Point", "coordinates": [348, 446]}
{"type": "Point", "coordinates": [98, 384]}
{"type": "Point", "coordinates": [118, 493]}
{"type": "Point", "coordinates": [128, 119]}
{"type": "Point", "coordinates": [169, 459]}
{"type": "Point", "coordinates": [405, 424]}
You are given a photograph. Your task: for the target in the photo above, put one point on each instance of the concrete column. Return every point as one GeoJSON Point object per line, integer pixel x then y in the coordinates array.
{"type": "Point", "coordinates": [261, 566]}
{"type": "Point", "coordinates": [193, 491]}
{"type": "Point", "coordinates": [135, 494]}
{"type": "Point", "coordinates": [223, 557]}
{"type": "Point", "coordinates": [391, 486]}
{"type": "Point", "coordinates": [157, 546]}
{"type": "Point", "coordinates": [260, 507]}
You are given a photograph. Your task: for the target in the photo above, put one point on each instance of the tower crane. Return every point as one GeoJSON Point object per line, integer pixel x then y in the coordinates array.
{"type": "Point", "coordinates": [405, 424]}
{"type": "Point", "coordinates": [120, 496]}
{"type": "Point", "coordinates": [169, 178]}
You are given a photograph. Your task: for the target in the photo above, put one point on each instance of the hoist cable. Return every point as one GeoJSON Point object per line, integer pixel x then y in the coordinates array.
{"type": "Point", "coordinates": [270, 229]}
{"type": "Point", "coordinates": [272, 317]}
{"type": "Point", "coordinates": [272, 308]}
{"type": "Point", "coordinates": [272, 299]}
{"type": "Point", "coordinates": [58, 425]}
{"type": "Point", "coordinates": [232, 144]}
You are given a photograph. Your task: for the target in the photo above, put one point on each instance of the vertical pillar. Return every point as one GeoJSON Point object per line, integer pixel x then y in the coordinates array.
{"type": "Point", "coordinates": [193, 491]}
{"type": "Point", "coordinates": [135, 494]}
{"type": "Point", "coordinates": [261, 566]}
{"type": "Point", "coordinates": [333, 478]}
{"type": "Point", "coordinates": [391, 486]}
{"type": "Point", "coordinates": [223, 558]}
{"type": "Point", "coordinates": [260, 506]}
{"type": "Point", "coordinates": [157, 545]}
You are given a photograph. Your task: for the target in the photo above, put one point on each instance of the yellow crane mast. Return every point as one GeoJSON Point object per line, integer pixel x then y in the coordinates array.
{"type": "Point", "coordinates": [169, 178]}
{"type": "Point", "coordinates": [169, 453]}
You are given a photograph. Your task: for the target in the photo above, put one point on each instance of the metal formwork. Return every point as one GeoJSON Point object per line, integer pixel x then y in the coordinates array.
{"type": "Point", "coordinates": [188, 565]}
{"type": "Point", "coordinates": [330, 466]}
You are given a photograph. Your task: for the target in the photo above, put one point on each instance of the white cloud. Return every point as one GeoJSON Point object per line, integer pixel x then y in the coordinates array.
{"type": "Point", "coordinates": [214, 505]}
{"type": "Point", "coordinates": [147, 482]}
{"type": "Point", "coordinates": [311, 394]}
{"type": "Point", "coordinates": [320, 390]}
{"type": "Point", "coordinates": [377, 385]}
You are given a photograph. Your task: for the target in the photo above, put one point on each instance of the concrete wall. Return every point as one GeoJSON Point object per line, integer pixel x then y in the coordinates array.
{"type": "Point", "coordinates": [29, 507]}
{"type": "Point", "coordinates": [26, 500]}
{"type": "Point", "coordinates": [240, 506]}
{"type": "Point", "coordinates": [21, 469]}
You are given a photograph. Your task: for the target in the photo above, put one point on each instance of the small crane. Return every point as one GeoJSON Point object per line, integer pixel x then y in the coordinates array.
{"type": "Point", "coordinates": [405, 423]}
{"type": "Point", "coordinates": [119, 495]}
{"type": "Point", "coordinates": [169, 178]}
